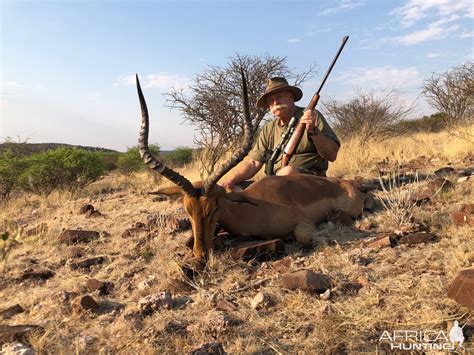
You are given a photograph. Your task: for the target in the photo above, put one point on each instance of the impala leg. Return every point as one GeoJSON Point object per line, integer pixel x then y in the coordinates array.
{"type": "Point", "coordinates": [305, 233]}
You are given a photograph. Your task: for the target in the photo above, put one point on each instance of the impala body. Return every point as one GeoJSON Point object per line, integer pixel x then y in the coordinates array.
{"type": "Point", "coordinates": [273, 207]}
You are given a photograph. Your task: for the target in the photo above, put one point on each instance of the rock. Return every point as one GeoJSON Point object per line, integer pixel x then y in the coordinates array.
{"type": "Point", "coordinates": [93, 214]}
{"type": "Point", "coordinates": [363, 281]}
{"type": "Point", "coordinates": [440, 184]}
{"type": "Point", "coordinates": [213, 348]}
{"type": "Point", "coordinates": [73, 236]}
{"type": "Point", "coordinates": [261, 300]}
{"type": "Point", "coordinates": [282, 265]}
{"type": "Point", "coordinates": [20, 333]}
{"type": "Point", "coordinates": [11, 311]}
{"type": "Point", "coordinates": [84, 303]}
{"type": "Point", "coordinates": [444, 171]}
{"type": "Point", "coordinates": [139, 225]}
{"type": "Point", "coordinates": [179, 286]}
{"type": "Point", "coordinates": [258, 249]}
{"type": "Point", "coordinates": [417, 238]}
{"type": "Point", "coordinates": [461, 218]}
{"type": "Point", "coordinates": [87, 262]}
{"type": "Point", "coordinates": [462, 288]}
{"type": "Point", "coordinates": [16, 349]}
{"type": "Point", "coordinates": [175, 327]}
{"type": "Point", "coordinates": [135, 232]}
{"type": "Point", "coordinates": [152, 303]}
{"type": "Point", "coordinates": [411, 227]}
{"type": "Point", "coordinates": [341, 218]}
{"type": "Point", "coordinates": [75, 252]}
{"type": "Point", "coordinates": [32, 274]}
{"type": "Point", "coordinates": [104, 287]}
{"type": "Point", "coordinates": [383, 241]}
{"type": "Point", "coordinates": [306, 280]}
{"type": "Point", "coordinates": [226, 306]}
{"type": "Point", "coordinates": [86, 208]}
{"type": "Point", "coordinates": [169, 223]}
{"type": "Point", "coordinates": [37, 230]}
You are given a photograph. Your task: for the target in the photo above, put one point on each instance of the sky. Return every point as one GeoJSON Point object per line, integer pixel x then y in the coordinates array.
{"type": "Point", "coordinates": [66, 67]}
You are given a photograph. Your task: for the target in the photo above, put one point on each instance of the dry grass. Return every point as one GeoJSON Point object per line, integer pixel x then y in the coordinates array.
{"type": "Point", "coordinates": [406, 288]}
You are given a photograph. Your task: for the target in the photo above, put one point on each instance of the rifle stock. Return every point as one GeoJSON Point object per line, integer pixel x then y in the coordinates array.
{"type": "Point", "coordinates": [295, 139]}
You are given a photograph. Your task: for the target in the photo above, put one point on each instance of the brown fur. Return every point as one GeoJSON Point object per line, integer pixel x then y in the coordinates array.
{"type": "Point", "coordinates": [273, 207]}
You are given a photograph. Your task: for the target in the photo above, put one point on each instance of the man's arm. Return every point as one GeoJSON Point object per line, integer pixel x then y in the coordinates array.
{"type": "Point", "coordinates": [244, 171]}
{"type": "Point", "coordinates": [326, 147]}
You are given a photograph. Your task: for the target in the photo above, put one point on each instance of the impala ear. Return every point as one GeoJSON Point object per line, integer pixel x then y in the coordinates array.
{"type": "Point", "coordinates": [174, 192]}
{"type": "Point", "coordinates": [239, 198]}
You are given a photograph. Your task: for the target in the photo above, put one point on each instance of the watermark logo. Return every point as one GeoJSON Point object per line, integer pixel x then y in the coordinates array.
{"type": "Point", "coordinates": [408, 339]}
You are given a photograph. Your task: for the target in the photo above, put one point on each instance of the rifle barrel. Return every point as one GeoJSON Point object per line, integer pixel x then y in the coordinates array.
{"type": "Point", "coordinates": [344, 40]}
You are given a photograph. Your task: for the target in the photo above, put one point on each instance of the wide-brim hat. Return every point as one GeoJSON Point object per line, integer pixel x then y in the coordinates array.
{"type": "Point", "coordinates": [278, 84]}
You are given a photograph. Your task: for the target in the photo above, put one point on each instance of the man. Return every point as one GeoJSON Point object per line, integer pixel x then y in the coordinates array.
{"type": "Point", "coordinates": [318, 145]}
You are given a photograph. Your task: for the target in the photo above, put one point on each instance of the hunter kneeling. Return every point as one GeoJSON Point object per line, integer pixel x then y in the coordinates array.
{"type": "Point", "coordinates": [319, 144]}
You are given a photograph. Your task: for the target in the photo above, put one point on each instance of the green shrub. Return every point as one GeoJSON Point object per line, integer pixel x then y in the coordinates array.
{"type": "Point", "coordinates": [109, 160]}
{"type": "Point", "coordinates": [11, 167]}
{"type": "Point", "coordinates": [130, 161]}
{"type": "Point", "coordinates": [62, 168]}
{"type": "Point", "coordinates": [180, 156]}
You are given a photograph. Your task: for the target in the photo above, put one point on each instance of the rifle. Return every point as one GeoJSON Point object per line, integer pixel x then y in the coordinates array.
{"type": "Point", "coordinates": [297, 133]}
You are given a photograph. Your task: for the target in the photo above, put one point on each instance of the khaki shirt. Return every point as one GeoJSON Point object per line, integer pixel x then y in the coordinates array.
{"type": "Point", "coordinates": [307, 158]}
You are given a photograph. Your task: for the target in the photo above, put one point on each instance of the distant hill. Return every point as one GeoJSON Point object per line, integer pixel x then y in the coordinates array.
{"type": "Point", "coordinates": [23, 149]}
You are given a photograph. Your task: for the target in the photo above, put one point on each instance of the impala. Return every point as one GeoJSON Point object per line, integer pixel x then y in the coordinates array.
{"type": "Point", "coordinates": [272, 207]}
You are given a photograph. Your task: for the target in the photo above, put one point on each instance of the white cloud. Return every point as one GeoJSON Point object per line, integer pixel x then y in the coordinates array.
{"type": "Point", "coordinates": [433, 55]}
{"type": "Point", "coordinates": [162, 80]}
{"type": "Point", "coordinates": [467, 34]}
{"type": "Point", "coordinates": [294, 40]}
{"type": "Point", "coordinates": [343, 5]}
{"type": "Point", "coordinates": [415, 10]}
{"type": "Point", "coordinates": [433, 32]}
{"type": "Point", "coordinates": [388, 77]}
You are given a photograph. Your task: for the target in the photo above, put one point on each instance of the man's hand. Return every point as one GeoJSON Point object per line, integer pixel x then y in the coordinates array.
{"type": "Point", "coordinates": [310, 120]}
{"type": "Point", "coordinates": [227, 184]}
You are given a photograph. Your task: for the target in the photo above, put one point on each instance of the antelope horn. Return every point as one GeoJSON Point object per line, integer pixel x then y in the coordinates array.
{"type": "Point", "coordinates": [243, 151]}
{"type": "Point", "coordinates": [150, 160]}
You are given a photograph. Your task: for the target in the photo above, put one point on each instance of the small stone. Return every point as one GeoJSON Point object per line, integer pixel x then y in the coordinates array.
{"type": "Point", "coordinates": [417, 238]}
{"type": "Point", "coordinates": [86, 208]}
{"type": "Point", "coordinates": [16, 349]}
{"type": "Point", "coordinates": [135, 232]}
{"type": "Point", "coordinates": [103, 287]}
{"type": "Point", "coordinates": [463, 179]}
{"type": "Point", "coordinates": [462, 288]}
{"type": "Point", "coordinates": [363, 281]}
{"type": "Point", "coordinates": [383, 241]}
{"type": "Point", "coordinates": [87, 262]}
{"type": "Point", "coordinates": [73, 236]}
{"type": "Point", "coordinates": [152, 303]}
{"type": "Point", "coordinates": [307, 280]}
{"type": "Point", "coordinates": [213, 348]}
{"type": "Point", "coordinates": [326, 295]}
{"type": "Point", "coordinates": [226, 306]}
{"type": "Point", "coordinates": [444, 171]}
{"type": "Point", "coordinates": [93, 214]}
{"type": "Point", "coordinates": [11, 311]}
{"type": "Point", "coordinates": [32, 274]}
{"type": "Point", "coordinates": [84, 303]}
{"type": "Point", "coordinates": [261, 300]}
{"type": "Point", "coordinates": [461, 218]}
{"type": "Point", "coordinates": [258, 249]}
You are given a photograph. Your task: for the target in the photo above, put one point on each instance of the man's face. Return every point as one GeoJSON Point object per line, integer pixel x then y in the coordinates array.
{"type": "Point", "coordinates": [281, 104]}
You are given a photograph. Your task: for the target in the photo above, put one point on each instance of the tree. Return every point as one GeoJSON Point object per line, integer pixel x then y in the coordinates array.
{"type": "Point", "coordinates": [180, 156]}
{"type": "Point", "coordinates": [452, 92]}
{"type": "Point", "coordinates": [62, 168]}
{"type": "Point", "coordinates": [214, 105]}
{"type": "Point", "coordinates": [373, 114]}
{"type": "Point", "coordinates": [130, 161]}
{"type": "Point", "coordinates": [11, 167]}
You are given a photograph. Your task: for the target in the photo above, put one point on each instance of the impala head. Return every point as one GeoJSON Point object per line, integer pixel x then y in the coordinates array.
{"type": "Point", "coordinates": [201, 202]}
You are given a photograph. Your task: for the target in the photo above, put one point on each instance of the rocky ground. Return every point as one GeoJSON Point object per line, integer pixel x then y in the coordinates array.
{"type": "Point", "coordinates": [106, 272]}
